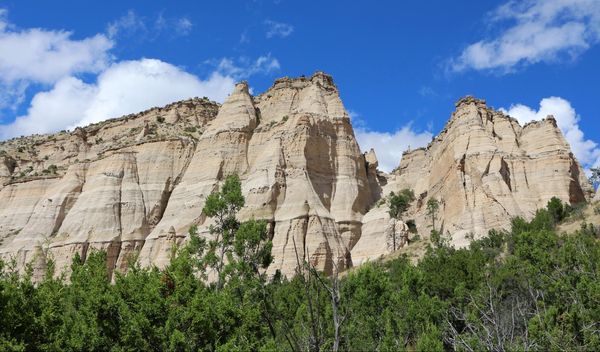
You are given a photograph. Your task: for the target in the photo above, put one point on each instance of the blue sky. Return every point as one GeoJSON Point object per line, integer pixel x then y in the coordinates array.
{"type": "Point", "coordinates": [399, 65]}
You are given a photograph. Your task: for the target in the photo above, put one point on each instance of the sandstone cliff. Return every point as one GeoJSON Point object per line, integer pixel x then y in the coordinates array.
{"type": "Point", "coordinates": [134, 185]}
{"type": "Point", "coordinates": [483, 169]}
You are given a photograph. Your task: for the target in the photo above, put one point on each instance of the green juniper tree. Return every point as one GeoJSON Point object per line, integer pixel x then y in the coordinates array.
{"type": "Point", "coordinates": [223, 206]}
{"type": "Point", "coordinates": [432, 207]}
{"type": "Point", "coordinates": [398, 204]}
{"type": "Point", "coordinates": [524, 288]}
{"type": "Point", "coordinates": [240, 249]}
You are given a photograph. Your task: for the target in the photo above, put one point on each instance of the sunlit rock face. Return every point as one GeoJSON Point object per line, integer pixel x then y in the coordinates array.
{"type": "Point", "coordinates": [134, 185]}
{"type": "Point", "coordinates": [483, 169]}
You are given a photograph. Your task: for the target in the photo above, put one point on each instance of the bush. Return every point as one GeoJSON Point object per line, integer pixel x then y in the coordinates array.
{"type": "Point", "coordinates": [160, 119]}
{"type": "Point", "coordinates": [524, 289]}
{"type": "Point", "coordinates": [52, 169]}
{"type": "Point", "coordinates": [556, 210]}
{"type": "Point", "coordinates": [574, 212]}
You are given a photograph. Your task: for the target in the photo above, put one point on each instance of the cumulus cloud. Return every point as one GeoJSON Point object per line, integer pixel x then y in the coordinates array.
{"type": "Point", "coordinates": [278, 29]}
{"type": "Point", "coordinates": [45, 56]}
{"type": "Point", "coordinates": [537, 31]}
{"type": "Point", "coordinates": [55, 61]}
{"type": "Point", "coordinates": [3, 21]}
{"type": "Point", "coordinates": [39, 56]}
{"type": "Point", "coordinates": [123, 88]}
{"type": "Point", "coordinates": [586, 151]}
{"type": "Point", "coordinates": [390, 146]}
{"type": "Point", "coordinates": [59, 107]}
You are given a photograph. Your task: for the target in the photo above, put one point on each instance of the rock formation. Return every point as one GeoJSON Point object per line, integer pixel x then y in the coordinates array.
{"type": "Point", "coordinates": [483, 169]}
{"type": "Point", "coordinates": [134, 185]}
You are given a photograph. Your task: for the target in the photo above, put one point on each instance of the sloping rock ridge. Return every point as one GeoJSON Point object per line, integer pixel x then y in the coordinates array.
{"type": "Point", "coordinates": [134, 185]}
{"type": "Point", "coordinates": [483, 169]}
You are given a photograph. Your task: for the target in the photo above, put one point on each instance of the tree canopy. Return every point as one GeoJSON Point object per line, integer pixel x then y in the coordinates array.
{"type": "Point", "coordinates": [399, 203]}
{"type": "Point", "coordinates": [529, 288]}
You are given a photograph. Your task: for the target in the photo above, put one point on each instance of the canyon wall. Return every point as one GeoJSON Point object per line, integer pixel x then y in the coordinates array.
{"type": "Point", "coordinates": [134, 185]}
{"type": "Point", "coordinates": [483, 169]}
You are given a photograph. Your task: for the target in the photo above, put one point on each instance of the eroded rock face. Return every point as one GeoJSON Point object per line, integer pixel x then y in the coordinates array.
{"type": "Point", "coordinates": [104, 186]}
{"type": "Point", "coordinates": [483, 169]}
{"type": "Point", "coordinates": [134, 185]}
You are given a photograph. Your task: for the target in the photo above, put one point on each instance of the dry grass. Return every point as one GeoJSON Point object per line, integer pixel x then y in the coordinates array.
{"type": "Point", "coordinates": [414, 251]}
{"type": "Point", "coordinates": [588, 215]}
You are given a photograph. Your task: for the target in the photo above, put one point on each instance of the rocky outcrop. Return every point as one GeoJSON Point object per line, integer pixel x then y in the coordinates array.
{"type": "Point", "coordinates": [102, 186]}
{"type": "Point", "coordinates": [134, 185]}
{"type": "Point", "coordinates": [483, 169]}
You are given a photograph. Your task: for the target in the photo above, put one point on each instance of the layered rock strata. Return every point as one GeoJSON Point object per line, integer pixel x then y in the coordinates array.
{"type": "Point", "coordinates": [133, 186]}
{"type": "Point", "coordinates": [483, 169]}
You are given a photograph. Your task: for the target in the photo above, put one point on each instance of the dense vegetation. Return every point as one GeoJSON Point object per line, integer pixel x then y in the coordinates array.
{"type": "Point", "coordinates": [527, 289]}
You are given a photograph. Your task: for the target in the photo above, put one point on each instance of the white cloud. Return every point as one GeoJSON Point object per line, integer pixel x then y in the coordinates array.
{"type": "Point", "coordinates": [3, 21]}
{"type": "Point", "coordinates": [538, 31]}
{"type": "Point", "coordinates": [144, 28]}
{"type": "Point", "coordinates": [183, 26]}
{"type": "Point", "coordinates": [35, 55]}
{"type": "Point", "coordinates": [125, 87]}
{"type": "Point", "coordinates": [44, 56]}
{"type": "Point", "coordinates": [128, 23]}
{"type": "Point", "coordinates": [53, 59]}
{"type": "Point", "coordinates": [586, 151]}
{"type": "Point", "coordinates": [278, 29]}
{"type": "Point", "coordinates": [390, 146]}
{"type": "Point", "coordinates": [245, 67]}
{"type": "Point", "coordinates": [52, 110]}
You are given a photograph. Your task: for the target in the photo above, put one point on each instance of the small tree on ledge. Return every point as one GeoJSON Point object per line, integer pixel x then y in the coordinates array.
{"type": "Point", "coordinates": [432, 207]}
{"type": "Point", "coordinates": [399, 204]}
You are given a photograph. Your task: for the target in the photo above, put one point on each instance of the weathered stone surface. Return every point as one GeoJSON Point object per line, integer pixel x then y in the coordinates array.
{"type": "Point", "coordinates": [484, 169]}
{"type": "Point", "coordinates": [381, 235]}
{"type": "Point", "coordinates": [134, 185]}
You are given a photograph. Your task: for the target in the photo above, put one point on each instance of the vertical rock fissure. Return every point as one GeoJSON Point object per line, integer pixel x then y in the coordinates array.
{"type": "Point", "coordinates": [120, 204]}
{"type": "Point", "coordinates": [505, 173]}
{"type": "Point", "coordinates": [65, 207]}
{"type": "Point", "coordinates": [169, 188]}
{"type": "Point", "coordinates": [576, 194]}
